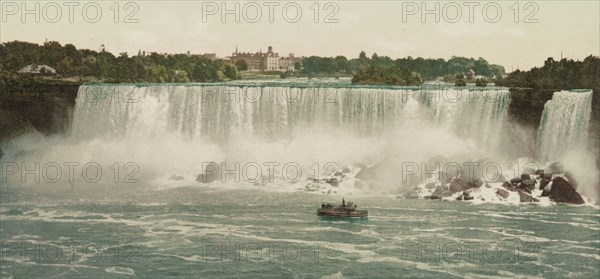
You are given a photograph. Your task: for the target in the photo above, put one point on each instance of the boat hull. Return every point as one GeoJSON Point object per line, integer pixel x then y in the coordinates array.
{"type": "Point", "coordinates": [353, 214]}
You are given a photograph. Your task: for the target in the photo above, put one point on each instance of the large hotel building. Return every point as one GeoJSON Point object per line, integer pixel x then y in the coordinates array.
{"type": "Point", "coordinates": [266, 61]}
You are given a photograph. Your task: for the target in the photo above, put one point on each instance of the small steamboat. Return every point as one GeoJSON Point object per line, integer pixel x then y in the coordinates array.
{"type": "Point", "coordinates": [345, 210]}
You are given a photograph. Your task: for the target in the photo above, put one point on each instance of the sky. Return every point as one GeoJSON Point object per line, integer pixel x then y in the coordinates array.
{"type": "Point", "coordinates": [514, 34]}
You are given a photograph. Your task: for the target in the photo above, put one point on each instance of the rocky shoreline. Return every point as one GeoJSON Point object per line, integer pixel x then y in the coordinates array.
{"type": "Point", "coordinates": [556, 185]}
{"type": "Point", "coordinates": [552, 184]}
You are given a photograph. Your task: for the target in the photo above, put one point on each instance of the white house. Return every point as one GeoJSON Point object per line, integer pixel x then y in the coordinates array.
{"type": "Point", "coordinates": [37, 69]}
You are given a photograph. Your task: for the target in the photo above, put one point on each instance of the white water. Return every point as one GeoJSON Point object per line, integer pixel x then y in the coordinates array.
{"type": "Point", "coordinates": [172, 129]}
{"type": "Point", "coordinates": [225, 113]}
{"type": "Point", "coordinates": [564, 136]}
{"type": "Point", "coordinates": [184, 125]}
{"type": "Point", "coordinates": [565, 125]}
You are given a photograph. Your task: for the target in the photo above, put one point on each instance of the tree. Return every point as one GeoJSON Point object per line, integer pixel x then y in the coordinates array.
{"type": "Point", "coordinates": [180, 76]}
{"type": "Point", "coordinates": [158, 73]}
{"type": "Point", "coordinates": [230, 71]}
{"type": "Point", "coordinates": [205, 71]}
{"type": "Point", "coordinates": [362, 55]}
{"type": "Point", "coordinates": [241, 65]}
{"type": "Point", "coordinates": [386, 74]}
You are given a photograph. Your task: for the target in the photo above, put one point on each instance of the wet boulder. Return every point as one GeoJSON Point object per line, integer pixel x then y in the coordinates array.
{"type": "Point", "coordinates": [502, 193]}
{"type": "Point", "coordinates": [543, 183]}
{"type": "Point", "coordinates": [515, 181]}
{"type": "Point", "coordinates": [475, 183]}
{"type": "Point", "coordinates": [546, 191]}
{"type": "Point", "coordinates": [411, 195]}
{"type": "Point", "coordinates": [525, 197]}
{"type": "Point", "coordinates": [333, 181]}
{"type": "Point", "coordinates": [528, 185]}
{"type": "Point", "coordinates": [447, 194]}
{"type": "Point", "coordinates": [434, 196]}
{"type": "Point", "coordinates": [509, 186]}
{"type": "Point", "coordinates": [458, 185]}
{"type": "Point", "coordinates": [467, 195]}
{"type": "Point", "coordinates": [561, 191]}
{"type": "Point", "coordinates": [569, 176]}
{"type": "Point", "coordinates": [439, 190]}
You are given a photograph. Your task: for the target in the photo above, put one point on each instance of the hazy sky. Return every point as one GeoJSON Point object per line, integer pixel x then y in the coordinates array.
{"type": "Point", "coordinates": [394, 28]}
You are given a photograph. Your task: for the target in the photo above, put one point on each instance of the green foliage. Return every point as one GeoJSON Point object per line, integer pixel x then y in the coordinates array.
{"type": "Point", "coordinates": [205, 71]}
{"type": "Point", "coordinates": [231, 72]}
{"type": "Point", "coordinates": [286, 74]}
{"type": "Point", "coordinates": [460, 82]}
{"type": "Point", "coordinates": [429, 69]}
{"type": "Point", "coordinates": [158, 73]}
{"type": "Point", "coordinates": [563, 74]}
{"type": "Point", "coordinates": [326, 65]}
{"type": "Point", "coordinates": [481, 82]}
{"type": "Point", "coordinates": [241, 65]}
{"type": "Point", "coordinates": [84, 63]}
{"type": "Point", "coordinates": [383, 74]}
{"type": "Point", "coordinates": [180, 76]}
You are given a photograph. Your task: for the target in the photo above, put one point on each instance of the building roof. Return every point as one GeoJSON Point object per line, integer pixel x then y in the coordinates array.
{"type": "Point", "coordinates": [36, 69]}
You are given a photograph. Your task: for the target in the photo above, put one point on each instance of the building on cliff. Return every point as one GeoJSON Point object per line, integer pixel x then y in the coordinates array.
{"type": "Point", "coordinates": [266, 61]}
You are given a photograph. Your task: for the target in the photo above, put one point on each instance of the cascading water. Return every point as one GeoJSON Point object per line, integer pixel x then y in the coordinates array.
{"type": "Point", "coordinates": [564, 136]}
{"type": "Point", "coordinates": [303, 123]}
{"type": "Point", "coordinates": [222, 112]}
{"type": "Point", "coordinates": [565, 124]}
{"type": "Point", "coordinates": [299, 122]}
{"type": "Point", "coordinates": [171, 129]}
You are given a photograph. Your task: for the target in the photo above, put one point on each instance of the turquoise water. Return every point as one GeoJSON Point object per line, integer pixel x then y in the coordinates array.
{"type": "Point", "coordinates": [200, 232]}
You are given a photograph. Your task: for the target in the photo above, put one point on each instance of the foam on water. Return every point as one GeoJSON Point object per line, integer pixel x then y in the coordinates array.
{"type": "Point", "coordinates": [171, 129]}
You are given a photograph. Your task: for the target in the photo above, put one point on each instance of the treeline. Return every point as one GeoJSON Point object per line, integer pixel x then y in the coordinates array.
{"type": "Point", "coordinates": [563, 74]}
{"type": "Point", "coordinates": [153, 67]}
{"type": "Point", "coordinates": [429, 69]}
{"type": "Point", "coordinates": [103, 65]}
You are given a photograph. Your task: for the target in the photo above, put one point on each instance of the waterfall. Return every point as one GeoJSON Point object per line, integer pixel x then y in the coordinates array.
{"type": "Point", "coordinates": [224, 111]}
{"type": "Point", "coordinates": [564, 125]}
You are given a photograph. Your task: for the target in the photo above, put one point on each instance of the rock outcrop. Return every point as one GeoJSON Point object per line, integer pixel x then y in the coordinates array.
{"type": "Point", "coordinates": [561, 191]}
